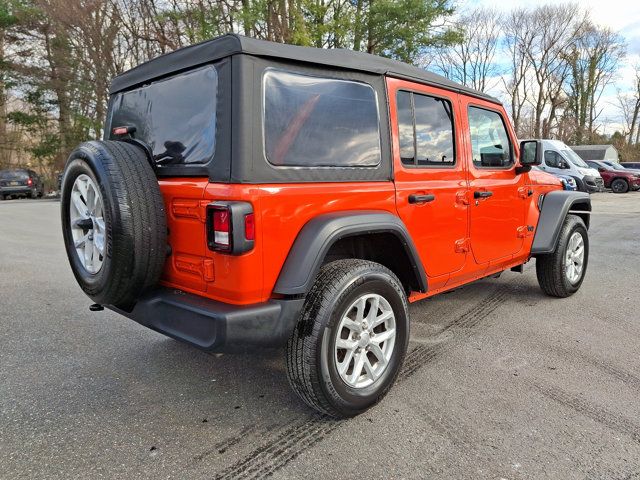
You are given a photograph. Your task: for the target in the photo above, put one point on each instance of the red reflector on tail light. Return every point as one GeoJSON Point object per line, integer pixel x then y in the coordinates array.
{"type": "Point", "coordinates": [249, 227]}
{"type": "Point", "coordinates": [29, 181]}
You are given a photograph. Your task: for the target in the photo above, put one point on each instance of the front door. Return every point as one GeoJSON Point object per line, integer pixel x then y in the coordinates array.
{"type": "Point", "coordinates": [497, 193]}
{"type": "Point", "coordinates": [430, 176]}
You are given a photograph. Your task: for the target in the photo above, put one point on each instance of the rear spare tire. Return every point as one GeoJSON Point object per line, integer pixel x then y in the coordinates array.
{"type": "Point", "coordinates": [113, 221]}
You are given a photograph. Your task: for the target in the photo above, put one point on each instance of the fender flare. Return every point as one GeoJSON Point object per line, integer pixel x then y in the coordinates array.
{"type": "Point", "coordinates": [318, 235]}
{"type": "Point", "coordinates": [555, 207]}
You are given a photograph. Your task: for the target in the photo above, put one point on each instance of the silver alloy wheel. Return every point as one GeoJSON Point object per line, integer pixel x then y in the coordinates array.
{"type": "Point", "coordinates": [87, 223]}
{"type": "Point", "coordinates": [366, 336]}
{"type": "Point", "coordinates": [574, 257]}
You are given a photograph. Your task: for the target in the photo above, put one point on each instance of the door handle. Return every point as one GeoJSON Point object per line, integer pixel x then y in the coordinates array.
{"type": "Point", "coordinates": [416, 198]}
{"type": "Point", "coordinates": [482, 194]}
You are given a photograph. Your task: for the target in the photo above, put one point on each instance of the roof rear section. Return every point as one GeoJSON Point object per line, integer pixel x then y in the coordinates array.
{"type": "Point", "coordinates": [232, 44]}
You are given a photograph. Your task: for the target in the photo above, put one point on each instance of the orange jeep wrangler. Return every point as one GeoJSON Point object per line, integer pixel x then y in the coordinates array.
{"type": "Point", "coordinates": [248, 194]}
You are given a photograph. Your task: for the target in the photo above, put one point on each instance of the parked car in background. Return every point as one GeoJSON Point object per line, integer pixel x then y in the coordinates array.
{"type": "Point", "coordinates": [619, 181]}
{"type": "Point", "coordinates": [559, 159]}
{"type": "Point", "coordinates": [630, 164]}
{"type": "Point", "coordinates": [621, 168]}
{"type": "Point", "coordinates": [568, 182]}
{"type": "Point", "coordinates": [20, 183]}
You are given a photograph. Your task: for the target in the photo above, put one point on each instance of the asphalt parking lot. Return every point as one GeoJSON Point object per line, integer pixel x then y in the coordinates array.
{"type": "Point", "coordinates": [501, 382]}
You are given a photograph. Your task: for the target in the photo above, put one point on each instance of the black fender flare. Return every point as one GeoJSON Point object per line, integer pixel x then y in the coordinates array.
{"type": "Point", "coordinates": [555, 207]}
{"type": "Point", "coordinates": [318, 235]}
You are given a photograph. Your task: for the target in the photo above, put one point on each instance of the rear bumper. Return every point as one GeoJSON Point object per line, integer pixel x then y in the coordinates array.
{"type": "Point", "coordinates": [216, 326]}
{"type": "Point", "coordinates": [21, 190]}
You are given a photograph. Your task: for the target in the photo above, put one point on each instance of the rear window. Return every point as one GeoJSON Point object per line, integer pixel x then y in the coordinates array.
{"type": "Point", "coordinates": [176, 116]}
{"type": "Point", "coordinates": [13, 175]}
{"type": "Point", "coordinates": [319, 122]}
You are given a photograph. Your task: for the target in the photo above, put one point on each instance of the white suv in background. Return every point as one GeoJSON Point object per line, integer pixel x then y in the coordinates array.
{"type": "Point", "coordinates": [559, 159]}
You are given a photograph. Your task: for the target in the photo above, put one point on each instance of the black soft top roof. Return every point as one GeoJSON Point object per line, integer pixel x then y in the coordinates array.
{"type": "Point", "coordinates": [232, 44]}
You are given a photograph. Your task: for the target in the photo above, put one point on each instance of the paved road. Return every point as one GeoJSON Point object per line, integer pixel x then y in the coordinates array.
{"type": "Point", "coordinates": [500, 382]}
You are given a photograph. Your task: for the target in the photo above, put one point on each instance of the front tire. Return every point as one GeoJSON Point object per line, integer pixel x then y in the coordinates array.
{"type": "Point", "coordinates": [349, 345]}
{"type": "Point", "coordinates": [619, 185]}
{"type": "Point", "coordinates": [560, 273]}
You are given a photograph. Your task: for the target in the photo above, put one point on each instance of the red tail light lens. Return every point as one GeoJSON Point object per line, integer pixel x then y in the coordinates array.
{"type": "Point", "coordinates": [250, 227]}
{"type": "Point", "coordinates": [29, 181]}
{"type": "Point", "coordinates": [222, 228]}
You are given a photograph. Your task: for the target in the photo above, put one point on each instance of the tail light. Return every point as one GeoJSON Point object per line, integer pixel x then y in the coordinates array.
{"type": "Point", "coordinates": [230, 227]}
{"type": "Point", "coordinates": [29, 181]}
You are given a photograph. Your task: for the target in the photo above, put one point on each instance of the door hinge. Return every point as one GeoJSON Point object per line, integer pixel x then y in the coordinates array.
{"type": "Point", "coordinates": [462, 245]}
{"type": "Point", "coordinates": [525, 231]}
{"type": "Point", "coordinates": [525, 192]}
{"type": "Point", "coordinates": [462, 197]}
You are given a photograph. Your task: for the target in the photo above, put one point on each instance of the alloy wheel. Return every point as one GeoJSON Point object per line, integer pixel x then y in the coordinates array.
{"type": "Point", "coordinates": [365, 340]}
{"type": "Point", "coordinates": [86, 214]}
{"type": "Point", "coordinates": [574, 257]}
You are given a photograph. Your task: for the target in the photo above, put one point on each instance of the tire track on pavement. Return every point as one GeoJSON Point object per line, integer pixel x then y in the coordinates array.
{"type": "Point", "coordinates": [296, 437]}
{"type": "Point", "coordinates": [595, 412]}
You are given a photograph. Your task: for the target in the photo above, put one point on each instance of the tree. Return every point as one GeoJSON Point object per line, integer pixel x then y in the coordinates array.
{"type": "Point", "coordinates": [593, 59]}
{"type": "Point", "coordinates": [472, 60]}
{"type": "Point", "coordinates": [402, 29]}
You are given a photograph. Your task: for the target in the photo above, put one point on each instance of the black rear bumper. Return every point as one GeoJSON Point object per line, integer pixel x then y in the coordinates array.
{"type": "Point", "coordinates": [215, 326]}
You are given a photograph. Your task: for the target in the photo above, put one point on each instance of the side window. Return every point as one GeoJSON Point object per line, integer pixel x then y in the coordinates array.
{"type": "Point", "coordinates": [551, 159]}
{"type": "Point", "coordinates": [319, 122]}
{"type": "Point", "coordinates": [405, 128]}
{"type": "Point", "coordinates": [425, 125]}
{"type": "Point", "coordinates": [490, 145]}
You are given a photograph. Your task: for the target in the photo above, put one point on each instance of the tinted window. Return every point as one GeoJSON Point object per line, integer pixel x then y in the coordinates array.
{"type": "Point", "coordinates": [176, 117]}
{"type": "Point", "coordinates": [13, 175]}
{"type": "Point", "coordinates": [490, 145]}
{"type": "Point", "coordinates": [425, 125]}
{"type": "Point", "coordinates": [319, 122]}
{"type": "Point", "coordinates": [405, 128]}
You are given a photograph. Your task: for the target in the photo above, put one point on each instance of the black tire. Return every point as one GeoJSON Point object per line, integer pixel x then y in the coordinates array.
{"type": "Point", "coordinates": [551, 269]}
{"type": "Point", "coordinates": [619, 185]}
{"type": "Point", "coordinates": [311, 363]}
{"type": "Point", "coordinates": [135, 222]}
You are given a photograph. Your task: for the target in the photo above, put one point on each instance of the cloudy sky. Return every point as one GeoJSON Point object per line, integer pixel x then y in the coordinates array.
{"type": "Point", "coordinates": [622, 16]}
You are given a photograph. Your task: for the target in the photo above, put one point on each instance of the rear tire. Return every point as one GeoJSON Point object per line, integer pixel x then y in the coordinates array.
{"type": "Point", "coordinates": [619, 185]}
{"type": "Point", "coordinates": [557, 272]}
{"type": "Point", "coordinates": [132, 224]}
{"type": "Point", "coordinates": [336, 332]}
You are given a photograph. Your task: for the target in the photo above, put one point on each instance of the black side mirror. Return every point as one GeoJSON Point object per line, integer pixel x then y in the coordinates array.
{"type": "Point", "coordinates": [530, 155]}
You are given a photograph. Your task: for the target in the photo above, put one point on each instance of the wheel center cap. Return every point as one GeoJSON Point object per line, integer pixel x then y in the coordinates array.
{"type": "Point", "coordinates": [364, 339]}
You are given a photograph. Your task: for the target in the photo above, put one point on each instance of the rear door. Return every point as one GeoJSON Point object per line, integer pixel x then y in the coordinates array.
{"type": "Point", "coordinates": [430, 177]}
{"type": "Point", "coordinates": [498, 195]}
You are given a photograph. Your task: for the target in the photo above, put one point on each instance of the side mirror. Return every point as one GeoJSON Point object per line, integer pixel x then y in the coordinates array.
{"type": "Point", "coordinates": [530, 155]}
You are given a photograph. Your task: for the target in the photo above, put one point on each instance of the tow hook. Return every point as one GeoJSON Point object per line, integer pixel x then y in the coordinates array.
{"type": "Point", "coordinates": [96, 307]}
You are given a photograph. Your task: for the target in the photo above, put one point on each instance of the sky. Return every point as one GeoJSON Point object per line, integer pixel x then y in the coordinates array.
{"type": "Point", "coordinates": [622, 16]}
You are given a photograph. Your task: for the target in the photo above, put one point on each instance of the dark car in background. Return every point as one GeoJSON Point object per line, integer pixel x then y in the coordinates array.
{"type": "Point", "coordinates": [620, 167]}
{"type": "Point", "coordinates": [20, 183]}
{"type": "Point", "coordinates": [619, 180]}
{"type": "Point", "coordinates": [634, 165]}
